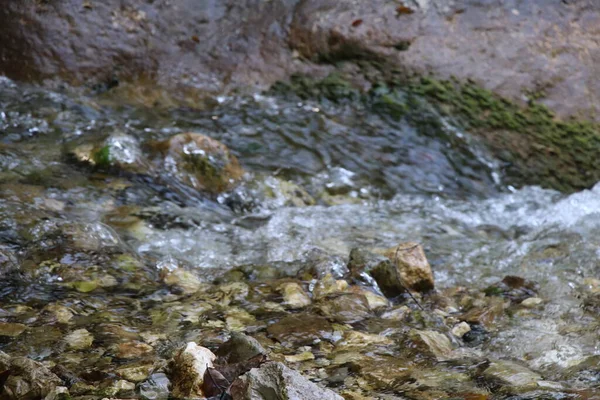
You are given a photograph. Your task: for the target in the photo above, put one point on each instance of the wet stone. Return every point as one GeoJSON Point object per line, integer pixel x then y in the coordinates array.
{"type": "Point", "coordinates": [412, 270]}
{"type": "Point", "coordinates": [239, 348]}
{"type": "Point", "coordinates": [27, 378]}
{"type": "Point", "coordinates": [510, 374]}
{"type": "Point", "coordinates": [156, 387]}
{"type": "Point", "coordinates": [135, 372]}
{"type": "Point", "coordinates": [133, 350]}
{"type": "Point", "coordinates": [187, 369]}
{"type": "Point", "coordinates": [276, 381]}
{"type": "Point", "coordinates": [346, 308]}
{"type": "Point", "coordinates": [300, 330]}
{"type": "Point", "coordinates": [200, 162]}
{"type": "Point", "coordinates": [432, 343]}
{"type": "Point", "coordinates": [294, 295]}
{"type": "Point", "coordinates": [79, 339]}
{"type": "Point", "coordinates": [459, 330]}
{"type": "Point", "coordinates": [11, 330]}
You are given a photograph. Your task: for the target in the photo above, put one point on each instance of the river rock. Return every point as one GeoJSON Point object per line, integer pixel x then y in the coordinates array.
{"type": "Point", "coordinates": [300, 330]}
{"type": "Point", "coordinates": [346, 308]}
{"type": "Point", "coordinates": [294, 295]}
{"type": "Point", "coordinates": [187, 369]}
{"type": "Point", "coordinates": [412, 266]}
{"type": "Point", "coordinates": [328, 286]}
{"type": "Point", "coordinates": [238, 348]}
{"type": "Point", "coordinates": [200, 162]}
{"type": "Point", "coordinates": [28, 379]}
{"type": "Point", "coordinates": [118, 150]}
{"type": "Point", "coordinates": [512, 375]}
{"type": "Point", "coordinates": [10, 329]}
{"type": "Point", "coordinates": [156, 387]}
{"type": "Point", "coordinates": [79, 339]}
{"type": "Point", "coordinates": [276, 381]}
{"type": "Point", "coordinates": [432, 343]}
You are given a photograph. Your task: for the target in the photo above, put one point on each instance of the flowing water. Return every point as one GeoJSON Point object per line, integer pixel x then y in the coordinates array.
{"type": "Point", "coordinates": [377, 181]}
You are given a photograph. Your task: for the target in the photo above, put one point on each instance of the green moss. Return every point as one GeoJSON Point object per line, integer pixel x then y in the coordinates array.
{"type": "Point", "coordinates": [535, 146]}
{"type": "Point", "coordinates": [334, 88]}
{"type": "Point", "coordinates": [101, 157]}
{"type": "Point", "coordinates": [539, 148]}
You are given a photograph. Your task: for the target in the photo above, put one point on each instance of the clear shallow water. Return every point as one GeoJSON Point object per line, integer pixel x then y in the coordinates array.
{"type": "Point", "coordinates": [401, 180]}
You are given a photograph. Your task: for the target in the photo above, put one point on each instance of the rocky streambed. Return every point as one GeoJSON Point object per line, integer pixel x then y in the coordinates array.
{"type": "Point", "coordinates": [280, 246]}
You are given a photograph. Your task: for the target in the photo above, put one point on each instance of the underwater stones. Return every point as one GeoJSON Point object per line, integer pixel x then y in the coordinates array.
{"type": "Point", "coordinates": [27, 379]}
{"type": "Point", "coordinates": [187, 369]}
{"type": "Point", "coordinates": [200, 162]}
{"type": "Point", "coordinates": [274, 380]}
{"type": "Point", "coordinates": [505, 373]}
{"type": "Point", "coordinates": [300, 330]}
{"type": "Point", "coordinates": [328, 285]}
{"type": "Point", "coordinates": [513, 288]}
{"type": "Point", "coordinates": [136, 371]}
{"type": "Point", "coordinates": [319, 264]}
{"type": "Point", "coordinates": [79, 339]}
{"type": "Point", "coordinates": [346, 308]}
{"type": "Point", "coordinates": [239, 348]}
{"type": "Point", "coordinates": [156, 387]}
{"type": "Point", "coordinates": [9, 329]}
{"type": "Point", "coordinates": [294, 295]}
{"type": "Point", "coordinates": [432, 343]}
{"type": "Point", "coordinates": [284, 193]}
{"type": "Point", "coordinates": [488, 315]}
{"type": "Point", "coordinates": [133, 349]}
{"type": "Point", "coordinates": [57, 313]}
{"type": "Point", "coordinates": [180, 280]}
{"type": "Point", "coordinates": [356, 341]}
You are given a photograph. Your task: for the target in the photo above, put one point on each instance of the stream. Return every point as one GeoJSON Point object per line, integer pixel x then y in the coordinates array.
{"type": "Point", "coordinates": [83, 248]}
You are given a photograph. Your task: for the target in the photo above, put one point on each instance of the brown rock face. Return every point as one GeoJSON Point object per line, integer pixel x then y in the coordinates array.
{"type": "Point", "coordinates": [191, 46]}
{"type": "Point", "coordinates": [547, 49]}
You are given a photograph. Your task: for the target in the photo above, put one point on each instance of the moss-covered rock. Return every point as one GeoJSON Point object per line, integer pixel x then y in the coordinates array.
{"type": "Point", "coordinates": [535, 146]}
{"type": "Point", "coordinates": [538, 147]}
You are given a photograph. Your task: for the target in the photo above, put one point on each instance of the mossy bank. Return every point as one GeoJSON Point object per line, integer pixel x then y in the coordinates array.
{"type": "Point", "coordinates": [534, 146]}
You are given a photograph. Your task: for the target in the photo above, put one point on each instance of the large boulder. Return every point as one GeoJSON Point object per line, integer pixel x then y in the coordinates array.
{"type": "Point", "coordinates": [547, 50]}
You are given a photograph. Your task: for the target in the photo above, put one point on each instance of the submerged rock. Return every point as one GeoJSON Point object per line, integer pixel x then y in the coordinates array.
{"type": "Point", "coordinates": [200, 162]}
{"type": "Point", "coordinates": [12, 330]}
{"type": "Point", "coordinates": [346, 307]}
{"type": "Point", "coordinates": [239, 348]}
{"type": "Point", "coordinates": [432, 343]}
{"type": "Point", "coordinates": [276, 381]}
{"type": "Point", "coordinates": [294, 295]}
{"type": "Point", "coordinates": [26, 379]}
{"type": "Point", "coordinates": [79, 339]}
{"type": "Point", "coordinates": [502, 373]}
{"type": "Point", "coordinates": [156, 387]}
{"type": "Point", "coordinates": [187, 369]}
{"type": "Point", "coordinates": [300, 330]}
